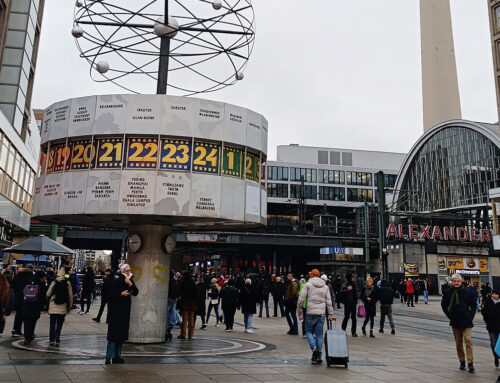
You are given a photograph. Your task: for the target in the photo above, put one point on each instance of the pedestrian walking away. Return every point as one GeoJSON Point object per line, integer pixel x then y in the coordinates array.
{"type": "Point", "coordinates": [410, 291]}
{"type": "Point", "coordinates": [248, 302]}
{"type": "Point", "coordinates": [230, 301]}
{"type": "Point", "coordinates": [187, 290]}
{"type": "Point", "coordinates": [319, 301]}
{"type": "Point", "coordinates": [386, 298]}
{"type": "Point", "coordinates": [213, 303]}
{"type": "Point", "coordinates": [104, 295]}
{"type": "Point", "coordinates": [120, 296]}
{"type": "Point", "coordinates": [369, 296]}
{"type": "Point", "coordinates": [460, 308]}
{"type": "Point", "coordinates": [23, 277]}
{"type": "Point", "coordinates": [34, 301]}
{"type": "Point", "coordinates": [60, 297]}
{"type": "Point", "coordinates": [349, 298]}
{"type": "Point", "coordinates": [291, 297]}
{"type": "Point", "coordinates": [491, 316]}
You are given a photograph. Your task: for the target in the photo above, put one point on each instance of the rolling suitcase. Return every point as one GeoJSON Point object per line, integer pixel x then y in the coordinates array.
{"type": "Point", "coordinates": [336, 348]}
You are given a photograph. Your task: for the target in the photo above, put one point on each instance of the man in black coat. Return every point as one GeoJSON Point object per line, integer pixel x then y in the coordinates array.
{"type": "Point", "coordinates": [108, 279]}
{"type": "Point", "coordinates": [337, 285]}
{"type": "Point", "coordinates": [23, 277]}
{"type": "Point", "coordinates": [460, 307]}
{"type": "Point", "coordinates": [349, 297]}
{"type": "Point", "coordinates": [230, 301]}
{"type": "Point", "coordinates": [386, 298]}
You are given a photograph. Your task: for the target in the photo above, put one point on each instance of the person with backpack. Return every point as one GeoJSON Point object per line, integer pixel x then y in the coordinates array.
{"type": "Point", "coordinates": [88, 286]}
{"type": "Point", "coordinates": [34, 300]}
{"type": "Point", "coordinates": [319, 301]}
{"type": "Point", "coordinates": [60, 296]}
{"type": "Point", "coordinates": [23, 277]}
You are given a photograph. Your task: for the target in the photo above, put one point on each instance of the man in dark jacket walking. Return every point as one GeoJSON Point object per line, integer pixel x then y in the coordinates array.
{"type": "Point", "coordinates": [291, 297]}
{"type": "Point", "coordinates": [386, 298]}
{"type": "Point", "coordinates": [24, 277]}
{"type": "Point", "coordinates": [460, 307]}
{"type": "Point", "coordinates": [106, 282]}
{"type": "Point", "coordinates": [349, 298]}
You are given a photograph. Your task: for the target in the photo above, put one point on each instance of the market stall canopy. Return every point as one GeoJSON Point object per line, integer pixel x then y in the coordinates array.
{"type": "Point", "coordinates": [39, 245]}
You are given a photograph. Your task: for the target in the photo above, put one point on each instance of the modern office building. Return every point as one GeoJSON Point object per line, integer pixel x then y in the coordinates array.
{"type": "Point", "coordinates": [441, 220]}
{"type": "Point", "coordinates": [20, 22]}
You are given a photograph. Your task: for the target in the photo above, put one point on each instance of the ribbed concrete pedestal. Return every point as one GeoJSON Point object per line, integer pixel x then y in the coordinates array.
{"type": "Point", "coordinates": [151, 269]}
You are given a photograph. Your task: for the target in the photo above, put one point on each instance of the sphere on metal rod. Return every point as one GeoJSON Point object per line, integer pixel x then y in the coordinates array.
{"type": "Point", "coordinates": [77, 31]}
{"type": "Point", "coordinates": [217, 4]}
{"type": "Point", "coordinates": [239, 76]}
{"type": "Point", "coordinates": [102, 66]}
{"type": "Point", "coordinates": [169, 30]}
{"type": "Point", "coordinates": [79, 3]}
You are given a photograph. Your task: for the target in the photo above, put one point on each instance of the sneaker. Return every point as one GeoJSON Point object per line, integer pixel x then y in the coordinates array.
{"type": "Point", "coordinates": [87, 313]}
{"type": "Point", "coordinates": [354, 335]}
{"type": "Point", "coordinates": [81, 312]}
{"type": "Point", "coordinates": [227, 330]}
{"type": "Point", "coordinates": [249, 331]}
{"type": "Point", "coordinates": [471, 368]}
{"type": "Point", "coordinates": [97, 320]}
{"type": "Point", "coordinates": [319, 361]}
{"type": "Point", "coordinates": [51, 344]}
{"type": "Point", "coordinates": [245, 330]}
{"type": "Point", "coordinates": [393, 332]}
{"type": "Point", "coordinates": [203, 327]}
{"type": "Point", "coordinates": [217, 325]}
{"type": "Point", "coordinates": [462, 366]}
{"type": "Point", "coordinates": [314, 357]}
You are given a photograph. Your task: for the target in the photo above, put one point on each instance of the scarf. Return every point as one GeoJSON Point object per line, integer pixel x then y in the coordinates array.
{"type": "Point", "coordinates": [368, 291]}
{"type": "Point", "coordinates": [495, 301]}
{"type": "Point", "coordinates": [455, 299]}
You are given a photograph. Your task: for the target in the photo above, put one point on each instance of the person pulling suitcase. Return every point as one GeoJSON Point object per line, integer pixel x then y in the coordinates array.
{"type": "Point", "coordinates": [317, 295]}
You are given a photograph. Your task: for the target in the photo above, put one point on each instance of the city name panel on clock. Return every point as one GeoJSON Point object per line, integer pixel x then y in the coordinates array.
{"type": "Point", "coordinates": [112, 160]}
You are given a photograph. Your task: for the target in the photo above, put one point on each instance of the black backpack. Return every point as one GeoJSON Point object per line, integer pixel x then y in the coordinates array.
{"type": "Point", "coordinates": [61, 292]}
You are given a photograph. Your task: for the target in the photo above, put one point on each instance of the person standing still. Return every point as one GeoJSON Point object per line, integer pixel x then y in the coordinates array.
{"type": "Point", "coordinates": [230, 301]}
{"type": "Point", "coordinates": [460, 308]}
{"type": "Point", "coordinates": [349, 298]}
{"type": "Point", "coordinates": [291, 297]}
{"type": "Point", "coordinates": [409, 292]}
{"type": "Point", "coordinates": [60, 296]}
{"type": "Point", "coordinates": [187, 290]}
{"type": "Point", "coordinates": [88, 285]}
{"type": "Point", "coordinates": [319, 302]}
{"type": "Point", "coordinates": [248, 301]}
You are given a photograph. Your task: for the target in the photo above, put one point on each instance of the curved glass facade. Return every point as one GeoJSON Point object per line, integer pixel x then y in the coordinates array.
{"type": "Point", "coordinates": [455, 168]}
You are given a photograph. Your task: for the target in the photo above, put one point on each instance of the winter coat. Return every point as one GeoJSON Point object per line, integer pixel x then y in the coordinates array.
{"type": "Point", "coordinates": [173, 288]}
{"type": "Point", "coordinates": [463, 315]}
{"type": "Point", "coordinates": [201, 294]}
{"type": "Point", "coordinates": [349, 297]}
{"type": "Point", "coordinates": [291, 295]}
{"type": "Point", "coordinates": [230, 298]}
{"type": "Point", "coordinates": [409, 287]}
{"type": "Point", "coordinates": [106, 283]}
{"type": "Point", "coordinates": [23, 278]}
{"type": "Point", "coordinates": [485, 290]}
{"type": "Point", "coordinates": [370, 306]}
{"type": "Point", "coordinates": [187, 291]}
{"type": "Point", "coordinates": [491, 315]}
{"type": "Point", "coordinates": [278, 291]}
{"type": "Point", "coordinates": [119, 308]}
{"type": "Point", "coordinates": [213, 293]}
{"type": "Point", "coordinates": [318, 297]}
{"type": "Point", "coordinates": [385, 295]}
{"type": "Point", "coordinates": [33, 310]}
{"type": "Point", "coordinates": [59, 309]}
{"type": "Point", "coordinates": [88, 282]}
{"type": "Point", "coordinates": [248, 300]}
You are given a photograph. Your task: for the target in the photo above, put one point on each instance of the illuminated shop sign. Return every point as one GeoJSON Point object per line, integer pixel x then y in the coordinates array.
{"type": "Point", "coordinates": [446, 233]}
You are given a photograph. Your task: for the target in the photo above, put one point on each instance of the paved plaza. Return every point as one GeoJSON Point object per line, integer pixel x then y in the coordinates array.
{"type": "Point", "coordinates": [421, 351]}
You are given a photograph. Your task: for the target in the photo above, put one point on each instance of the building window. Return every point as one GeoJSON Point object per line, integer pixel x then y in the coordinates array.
{"type": "Point", "coordinates": [308, 174]}
{"type": "Point", "coordinates": [390, 180]}
{"type": "Point", "coordinates": [497, 19]}
{"type": "Point", "coordinates": [359, 178]}
{"type": "Point", "coordinates": [334, 158]}
{"type": "Point", "coordinates": [331, 177]}
{"type": "Point", "coordinates": [310, 191]}
{"type": "Point", "coordinates": [277, 173]}
{"type": "Point", "coordinates": [346, 158]}
{"type": "Point", "coordinates": [277, 190]}
{"type": "Point", "coordinates": [328, 193]}
{"type": "Point", "coordinates": [359, 195]}
{"type": "Point", "coordinates": [322, 157]}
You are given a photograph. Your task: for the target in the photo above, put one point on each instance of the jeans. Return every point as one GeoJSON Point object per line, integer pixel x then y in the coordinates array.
{"type": "Point", "coordinates": [171, 312]}
{"type": "Point", "coordinates": [462, 334]}
{"type": "Point", "coordinates": [248, 319]}
{"type": "Point", "coordinates": [114, 350]}
{"type": "Point", "coordinates": [493, 341]}
{"type": "Point", "coordinates": [279, 303]}
{"type": "Point", "coordinates": [426, 297]}
{"type": "Point", "coordinates": [349, 311]}
{"type": "Point", "coordinates": [266, 303]}
{"type": "Point", "coordinates": [291, 318]}
{"type": "Point", "coordinates": [386, 310]}
{"type": "Point", "coordinates": [216, 310]}
{"type": "Point", "coordinates": [56, 324]}
{"type": "Point", "coordinates": [314, 331]}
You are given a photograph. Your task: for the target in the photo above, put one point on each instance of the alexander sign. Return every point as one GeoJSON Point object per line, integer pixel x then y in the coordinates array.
{"type": "Point", "coordinates": [446, 233]}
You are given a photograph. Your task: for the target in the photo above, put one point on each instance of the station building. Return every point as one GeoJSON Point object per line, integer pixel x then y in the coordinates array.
{"type": "Point", "coordinates": [440, 218]}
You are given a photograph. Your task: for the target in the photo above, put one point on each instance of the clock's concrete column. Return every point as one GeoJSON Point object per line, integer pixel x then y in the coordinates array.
{"type": "Point", "coordinates": [151, 268]}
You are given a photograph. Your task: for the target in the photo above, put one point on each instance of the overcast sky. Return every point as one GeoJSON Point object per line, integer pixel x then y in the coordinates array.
{"type": "Point", "coordinates": [333, 73]}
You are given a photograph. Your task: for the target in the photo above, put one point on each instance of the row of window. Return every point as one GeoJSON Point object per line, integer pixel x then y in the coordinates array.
{"type": "Point", "coordinates": [326, 193]}
{"type": "Point", "coordinates": [339, 177]}
{"type": "Point", "coordinates": [16, 176]}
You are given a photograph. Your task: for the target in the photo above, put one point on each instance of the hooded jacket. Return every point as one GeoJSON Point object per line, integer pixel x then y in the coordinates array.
{"type": "Point", "coordinates": [318, 297]}
{"type": "Point", "coordinates": [60, 309]}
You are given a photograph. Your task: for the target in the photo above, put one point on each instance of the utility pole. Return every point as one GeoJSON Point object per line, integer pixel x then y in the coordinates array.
{"type": "Point", "coordinates": [302, 207]}
{"type": "Point", "coordinates": [381, 225]}
{"type": "Point", "coordinates": [367, 238]}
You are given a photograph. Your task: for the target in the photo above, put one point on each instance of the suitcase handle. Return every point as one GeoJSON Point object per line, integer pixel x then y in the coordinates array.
{"type": "Point", "coordinates": [329, 325]}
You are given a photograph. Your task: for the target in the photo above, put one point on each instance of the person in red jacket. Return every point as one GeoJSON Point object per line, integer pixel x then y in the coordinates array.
{"type": "Point", "coordinates": [409, 292]}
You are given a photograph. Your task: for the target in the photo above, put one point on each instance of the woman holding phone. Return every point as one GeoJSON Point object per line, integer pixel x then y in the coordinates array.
{"type": "Point", "coordinates": [120, 295]}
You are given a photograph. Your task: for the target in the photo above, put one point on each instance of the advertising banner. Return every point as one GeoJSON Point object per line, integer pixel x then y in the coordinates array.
{"type": "Point", "coordinates": [411, 270]}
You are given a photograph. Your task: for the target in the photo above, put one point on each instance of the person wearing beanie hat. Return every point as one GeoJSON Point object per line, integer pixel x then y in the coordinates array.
{"type": "Point", "coordinates": [491, 316]}
{"type": "Point", "coordinates": [60, 297]}
{"type": "Point", "coordinates": [369, 296]}
{"type": "Point", "coordinates": [319, 301]}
